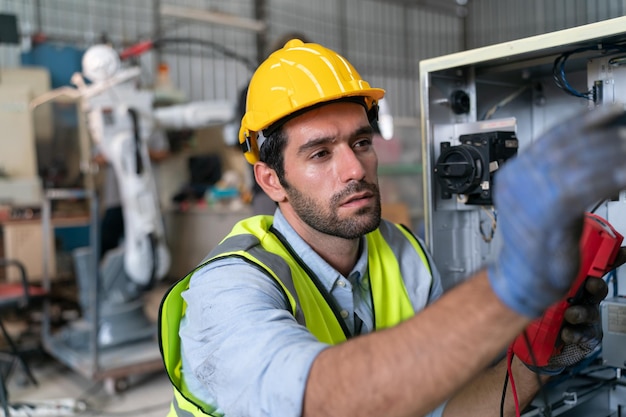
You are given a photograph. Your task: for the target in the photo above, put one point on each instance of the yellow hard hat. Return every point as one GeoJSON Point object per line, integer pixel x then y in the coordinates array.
{"type": "Point", "coordinates": [292, 79]}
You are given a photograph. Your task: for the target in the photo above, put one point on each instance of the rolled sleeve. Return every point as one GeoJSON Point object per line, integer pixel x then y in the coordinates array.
{"type": "Point", "coordinates": [245, 349]}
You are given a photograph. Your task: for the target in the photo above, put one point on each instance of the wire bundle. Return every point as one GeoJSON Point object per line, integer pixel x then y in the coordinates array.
{"type": "Point", "coordinates": [558, 68]}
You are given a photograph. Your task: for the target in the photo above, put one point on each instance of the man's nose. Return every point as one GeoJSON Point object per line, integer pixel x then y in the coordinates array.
{"type": "Point", "coordinates": [350, 166]}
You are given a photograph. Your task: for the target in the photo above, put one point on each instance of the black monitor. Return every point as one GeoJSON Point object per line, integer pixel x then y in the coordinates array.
{"type": "Point", "coordinates": [8, 29]}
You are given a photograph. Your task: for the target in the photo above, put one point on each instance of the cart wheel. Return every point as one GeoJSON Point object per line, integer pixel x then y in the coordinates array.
{"type": "Point", "coordinates": [116, 385]}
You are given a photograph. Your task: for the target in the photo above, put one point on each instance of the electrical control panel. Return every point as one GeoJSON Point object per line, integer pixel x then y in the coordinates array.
{"type": "Point", "coordinates": [482, 107]}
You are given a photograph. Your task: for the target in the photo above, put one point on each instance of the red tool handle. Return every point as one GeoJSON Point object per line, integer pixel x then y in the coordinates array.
{"type": "Point", "coordinates": [599, 245]}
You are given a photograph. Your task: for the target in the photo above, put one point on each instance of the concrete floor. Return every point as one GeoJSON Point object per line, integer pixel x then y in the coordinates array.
{"type": "Point", "coordinates": [148, 394]}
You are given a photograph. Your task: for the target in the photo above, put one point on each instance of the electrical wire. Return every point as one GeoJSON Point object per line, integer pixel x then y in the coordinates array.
{"type": "Point", "coordinates": [559, 73]}
{"type": "Point", "coordinates": [511, 379]}
{"type": "Point", "coordinates": [489, 113]}
{"type": "Point", "coordinates": [144, 46]}
{"type": "Point", "coordinates": [504, 387]}
{"type": "Point", "coordinates": [509, 363]}
{"type": "Point", "coordinates": [542, 391]}
{"type": "Point", "coordinates": [488, 236]}
{"type": "Point", "coordinates": [222, 50]}
{"type": "Point", "coordinates": [611, 277]}
{"type": "Point", "coordinates": [597, 206]}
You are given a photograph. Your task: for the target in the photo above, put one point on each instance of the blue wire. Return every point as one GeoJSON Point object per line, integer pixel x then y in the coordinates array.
{"type": "Point", "coordinates": [612, 275]}
{"type": "Point", "coordinates": [568, 86]}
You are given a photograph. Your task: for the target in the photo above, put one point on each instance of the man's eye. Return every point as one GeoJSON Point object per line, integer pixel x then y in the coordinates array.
{"type": "Point", "coordinates": [363, 143]}
{"type": "Point", "coordinates": [319, 154]}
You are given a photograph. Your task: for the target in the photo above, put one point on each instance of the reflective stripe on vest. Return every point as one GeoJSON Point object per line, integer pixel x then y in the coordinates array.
{"type": "Point", "coordinates": [176, 410]}
{"type": "Point", "coordinates": [253, 241]}
{"type": "Point", "coordinates": [250, 243]}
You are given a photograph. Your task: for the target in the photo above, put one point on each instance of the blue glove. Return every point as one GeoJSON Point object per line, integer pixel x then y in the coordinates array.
{"type": "Point", "coordinates": [541, 196]}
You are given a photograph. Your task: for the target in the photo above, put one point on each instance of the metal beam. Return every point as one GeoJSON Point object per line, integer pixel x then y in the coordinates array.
{"type": "Point", "coordinates": [449, 7]}
{"type": "Point", "coordinates": [260, 14]}
{"type": "Point", "coordinates": [218, 18]}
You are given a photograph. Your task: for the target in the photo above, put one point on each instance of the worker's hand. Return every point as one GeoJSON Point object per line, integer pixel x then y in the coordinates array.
{"type": "Point", "coordinates": [541, 196]}
{"type": "Point", "coordinates": [582, 330]}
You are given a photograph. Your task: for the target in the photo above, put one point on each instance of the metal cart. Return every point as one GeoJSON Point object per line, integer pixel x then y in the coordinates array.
{"type": "Point", "coordinates": [112, 364]}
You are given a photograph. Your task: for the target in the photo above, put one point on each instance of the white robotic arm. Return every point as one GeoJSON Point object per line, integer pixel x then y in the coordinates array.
{"type": "Point", "coordinates": [121, 134]}
{"type": "Point", "coordinates": [120, 120]}
{"type": "Point", "coordinates": [194, 115]}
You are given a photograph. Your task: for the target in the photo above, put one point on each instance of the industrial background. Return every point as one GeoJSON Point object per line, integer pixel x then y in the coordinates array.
{"type": "Point", "coordinates": [205, 51]}
{"type": "Point", "coordinates": [211, 56]}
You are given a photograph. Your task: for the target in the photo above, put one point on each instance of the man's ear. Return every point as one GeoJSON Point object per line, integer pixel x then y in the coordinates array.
{"type": "Point", "coordinates": [268, 180]}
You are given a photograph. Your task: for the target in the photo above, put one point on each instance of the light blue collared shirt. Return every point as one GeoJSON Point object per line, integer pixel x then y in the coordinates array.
{"type": "Point", "coordinates": [238, 330]}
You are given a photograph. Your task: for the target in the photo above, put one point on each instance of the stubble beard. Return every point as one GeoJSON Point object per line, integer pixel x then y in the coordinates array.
{"type": "Point", "coordinates": [325, 219]}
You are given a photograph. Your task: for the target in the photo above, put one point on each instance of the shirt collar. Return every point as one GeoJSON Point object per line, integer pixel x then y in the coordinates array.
{"type": "Point", "coordinates": [325, 272]}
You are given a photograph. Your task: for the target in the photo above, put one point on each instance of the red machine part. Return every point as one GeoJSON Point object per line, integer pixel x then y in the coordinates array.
{"type": "Point", "coordinates": [136, 49]}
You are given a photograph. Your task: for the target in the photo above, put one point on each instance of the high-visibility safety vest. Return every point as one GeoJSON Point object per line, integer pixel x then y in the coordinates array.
{"type": "Point", "coordinates": [256, 241]}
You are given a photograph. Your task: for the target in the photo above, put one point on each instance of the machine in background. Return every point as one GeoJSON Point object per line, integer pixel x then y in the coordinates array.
{"type": "Point", "coordinates": [114, 337]}
{"type": "Point", "coordinates": [480, 108]}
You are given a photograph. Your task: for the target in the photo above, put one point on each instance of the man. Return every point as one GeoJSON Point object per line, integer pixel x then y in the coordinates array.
{"type": "Point", "coordinates": [325, 310]}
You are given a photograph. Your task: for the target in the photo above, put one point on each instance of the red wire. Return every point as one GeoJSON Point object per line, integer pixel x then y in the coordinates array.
{"type": "Point", "coordinates": [509, 362]}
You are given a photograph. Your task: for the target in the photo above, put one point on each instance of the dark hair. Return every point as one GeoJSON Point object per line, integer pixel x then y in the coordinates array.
{"type": "Point", "coordinates": [272, 152]}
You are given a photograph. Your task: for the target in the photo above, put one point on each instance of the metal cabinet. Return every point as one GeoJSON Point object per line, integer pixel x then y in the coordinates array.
{"type": "Point", "coordinates": [480, 105]}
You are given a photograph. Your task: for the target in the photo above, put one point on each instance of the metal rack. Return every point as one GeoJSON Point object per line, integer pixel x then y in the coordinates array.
{"type": "Point", "coordinates": [114, 364]}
